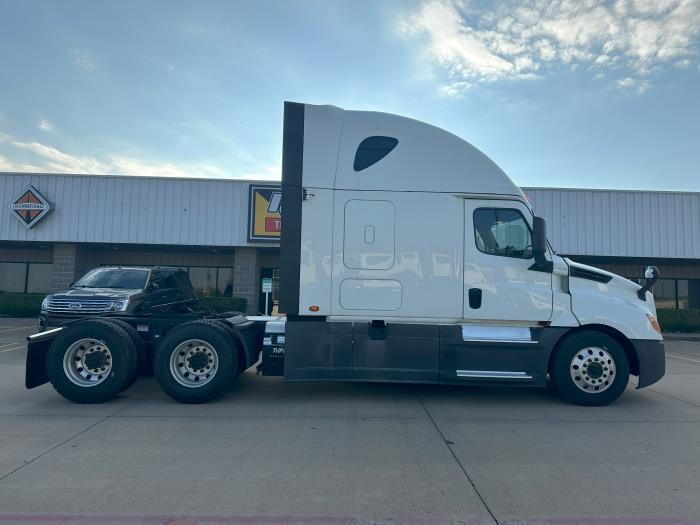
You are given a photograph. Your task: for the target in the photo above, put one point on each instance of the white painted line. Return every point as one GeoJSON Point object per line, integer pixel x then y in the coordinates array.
{"type": "Point", "coordinates": [13, 348]}
{"type": "Point", "coordinates": [9, 344]}
{"type": "Point", "coordinates": [17, 328]}
{"type": "Point", "coordinates": [684, 358]}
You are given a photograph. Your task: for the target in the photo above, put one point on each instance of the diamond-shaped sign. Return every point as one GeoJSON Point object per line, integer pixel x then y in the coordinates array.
{"type": "Point", "coordinates": [29, 207]}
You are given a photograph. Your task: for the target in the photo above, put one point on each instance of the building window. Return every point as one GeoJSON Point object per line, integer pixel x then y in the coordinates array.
{"type": "Point", "coordinates": [203, 281]}
{"type": "Point", "coordinates": [224, 281]}
{"type": "Point", "coordinates": [665, 293]}
{"type": "Point", "coordinates": [675, 293]}
{"type": "Point", "coordinates": [372, 150]}
{"type": "Point", "coordinates": [38, 278]}
{"type": "Point", "coordinates": [682, 294]}
{"type": "Point", "coordinates": [13, 277]}
{"type": "Point", "coordinates": [21, 277]}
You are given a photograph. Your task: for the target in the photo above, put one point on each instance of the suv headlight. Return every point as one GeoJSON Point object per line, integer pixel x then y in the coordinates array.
{"type": "Point", "coordinates": [44, 304]}
{"type": "Point", "coordinates": [120, 306]}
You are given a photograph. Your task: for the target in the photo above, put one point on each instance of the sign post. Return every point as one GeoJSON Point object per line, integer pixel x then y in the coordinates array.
{"type": "Point", "coordinates": [267, 290]}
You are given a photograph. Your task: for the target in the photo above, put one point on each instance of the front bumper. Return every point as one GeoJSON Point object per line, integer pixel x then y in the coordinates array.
{"type": "Point", "coordinates": [651, 360]}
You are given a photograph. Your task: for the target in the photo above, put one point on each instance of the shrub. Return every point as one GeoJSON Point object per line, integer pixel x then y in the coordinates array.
{"type": "Point", "coordinates": [672, 320]}
{"type": "Point", "coordinates": [20, 304]}
{"type": "Point", "coordinates": [223, 304]}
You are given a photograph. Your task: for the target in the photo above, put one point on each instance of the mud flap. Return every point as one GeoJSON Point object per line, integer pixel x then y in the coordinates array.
{"type": "Point", "coordinates": [652, 361]}
{"type": "Point", "coordinates": [37, 350]}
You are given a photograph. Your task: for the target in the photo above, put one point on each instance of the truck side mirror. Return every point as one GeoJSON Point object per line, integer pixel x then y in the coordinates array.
{"type": "Point", "coordinates": [651, 274]}
{"type": "Point", "coordinates": [539, 236]}
{"type": "Point", "coordinates": [539, 246]}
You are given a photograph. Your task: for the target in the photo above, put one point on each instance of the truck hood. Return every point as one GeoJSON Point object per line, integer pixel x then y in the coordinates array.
{"type": "Point", "coordinates": [602, 297]}
{"type": "Point", "coordinates": [616, 281]}
{"type": "Point", "coordinates": [95, 293]}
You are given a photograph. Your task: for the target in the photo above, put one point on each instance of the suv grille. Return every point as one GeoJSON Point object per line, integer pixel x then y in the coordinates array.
{"type": "Point", "coordinates": [79, 307]}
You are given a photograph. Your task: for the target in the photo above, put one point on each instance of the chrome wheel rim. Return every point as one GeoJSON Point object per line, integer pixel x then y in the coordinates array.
{"type": "Point", "coordinates": [194, 363]}
{"type": "Point", "coordinates": [593, 369]}
{"type": "Point", "coordinates": [87, 362]}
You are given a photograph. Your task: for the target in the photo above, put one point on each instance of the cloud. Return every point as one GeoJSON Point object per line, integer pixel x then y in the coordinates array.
{"type": "Point", "coordinates": [9, 166]}
{"type": "Point", "coordinates": [44, 125]}
{"type": "Point", "coordinates": [629, 83]}
{"type": "Point", "coordinates": [524, 39]}
{"type": "Point", "coordinates": [50, 159]}
{"type": "Point", "coordinates": [82, 58]}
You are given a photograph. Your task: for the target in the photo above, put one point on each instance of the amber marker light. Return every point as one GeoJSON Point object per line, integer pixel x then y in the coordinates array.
{"type": "Point", "coordinates": [654, 323]}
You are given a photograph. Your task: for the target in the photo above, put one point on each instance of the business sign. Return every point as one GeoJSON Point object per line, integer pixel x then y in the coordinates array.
{"type": "Point", "coordinates": [267, 285]}
{"type": "Point", "coordinates": [29, 207]}
{"type": "Point", "coordinates": [264, 213]}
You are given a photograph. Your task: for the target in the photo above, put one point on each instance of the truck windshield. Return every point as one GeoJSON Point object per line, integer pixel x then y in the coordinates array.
{"type": "Point", "coordinates": [129, 278]}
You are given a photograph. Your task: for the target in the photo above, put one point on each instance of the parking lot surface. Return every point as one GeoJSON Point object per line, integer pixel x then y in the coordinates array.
{"type": "Point", "coordinates": [342, 453]}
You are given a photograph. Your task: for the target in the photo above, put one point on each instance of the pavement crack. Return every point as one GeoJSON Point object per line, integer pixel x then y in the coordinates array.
{"type": "Point", "coordinates": [674, 397]}
{"type": "Point", "coordinates": [449, 444]}
{"type": "Point", "coordinates": [69, 439]}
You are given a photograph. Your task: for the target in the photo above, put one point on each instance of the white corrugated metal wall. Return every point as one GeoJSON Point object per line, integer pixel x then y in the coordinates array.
{"type": "Point", "coordinates": [140, 210]}
{"type": "Point", "coordinates": [615, 223]}
{"type": "Point", "coordinates": [135, 210]}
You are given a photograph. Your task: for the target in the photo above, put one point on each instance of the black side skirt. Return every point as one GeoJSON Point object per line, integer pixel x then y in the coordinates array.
{"type": "Point", "coordinates": [318, 350]}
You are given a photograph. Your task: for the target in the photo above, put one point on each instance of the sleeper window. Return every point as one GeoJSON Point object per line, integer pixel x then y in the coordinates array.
{"type": "Point", "coordinates": [503, 232]}
{"type": "Point", "coordinates": [372, 150]}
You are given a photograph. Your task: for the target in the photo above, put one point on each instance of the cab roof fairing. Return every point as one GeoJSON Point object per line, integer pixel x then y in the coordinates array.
{"type": "Point", "coordinates": [426, 159]}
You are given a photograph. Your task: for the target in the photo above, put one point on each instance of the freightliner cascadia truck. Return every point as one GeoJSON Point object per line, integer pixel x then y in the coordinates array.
{"type": "Point", "coordinates": [406, 255]}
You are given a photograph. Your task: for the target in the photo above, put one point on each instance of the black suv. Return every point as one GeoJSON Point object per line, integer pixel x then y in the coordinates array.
{"type": "Point", "coordinates": [129, 290]}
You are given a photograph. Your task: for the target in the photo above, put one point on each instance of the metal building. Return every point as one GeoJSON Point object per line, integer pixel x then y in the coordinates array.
{"type": "Point", "coordinates": [53, 228]}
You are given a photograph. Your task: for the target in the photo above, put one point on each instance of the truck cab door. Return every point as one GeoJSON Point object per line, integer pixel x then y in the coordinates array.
{"type": "Point", "coordinates": [506, 301]}
{"type": "Point", "coordinates": [499, 282]}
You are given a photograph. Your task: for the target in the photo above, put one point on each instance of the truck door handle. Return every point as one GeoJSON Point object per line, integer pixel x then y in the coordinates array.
{"type": "Point", "coordinates": [475, 298]}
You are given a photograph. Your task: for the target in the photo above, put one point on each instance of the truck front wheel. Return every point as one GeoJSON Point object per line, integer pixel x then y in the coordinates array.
{"type": "Point", "coordinates": [589, 368]}
{"type": "Point", "coordinates": [195, 362]}
{"type": "Point", "coordinates": [91, 361]}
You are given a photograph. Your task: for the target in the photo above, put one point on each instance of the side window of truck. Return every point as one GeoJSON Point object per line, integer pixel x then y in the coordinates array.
{"type": "Point", "coordinates": [503, 232]}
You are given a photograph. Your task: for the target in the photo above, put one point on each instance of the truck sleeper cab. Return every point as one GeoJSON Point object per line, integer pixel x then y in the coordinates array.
{"type": "Point", "coordinates": [408, 255]}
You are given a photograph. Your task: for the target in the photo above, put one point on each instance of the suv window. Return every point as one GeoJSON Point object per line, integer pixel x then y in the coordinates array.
{"type": "Point", "coordinates": [157, 279]}
{"type": "Point", "coordinates": [503, 232]}
{"type": "Point", "coordinates": [182, 279]}
{"type": "Point", "coordinates": [128, 278]}
{"type": "Point", "coordinates": [169, 279]}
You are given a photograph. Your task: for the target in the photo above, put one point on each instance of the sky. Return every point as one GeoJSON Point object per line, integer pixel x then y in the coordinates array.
{"type": "Point", "coordinates": [562, 93]}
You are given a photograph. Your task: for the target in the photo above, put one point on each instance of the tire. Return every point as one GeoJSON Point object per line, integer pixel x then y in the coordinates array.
{"type": "Point", "coordinates": [91, 361]}
{"type": "Point", "coordinates": [242, 359]}
{"type": "Point", "coordinates": [196, 362]}
{"type": "Point", "coordinates": [142, 363]}
{"type": "Point", "coordinates": [589, 368]}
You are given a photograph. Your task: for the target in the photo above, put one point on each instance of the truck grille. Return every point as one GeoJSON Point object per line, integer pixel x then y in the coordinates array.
{"type": "Point", "coordinates": [79, 307]}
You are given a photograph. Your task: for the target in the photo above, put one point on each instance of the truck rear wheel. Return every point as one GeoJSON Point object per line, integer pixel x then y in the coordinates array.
{"type": "Point", "coordinates": [142, 364]}
{"type": "Point", "coordinates": [195, 362]}
{"type": "Point", "coordinates": [91, 361]}
{"type": "Point", "coordinates": [590, 368]}
{"type": "Point", "coordinates": [232, 333]}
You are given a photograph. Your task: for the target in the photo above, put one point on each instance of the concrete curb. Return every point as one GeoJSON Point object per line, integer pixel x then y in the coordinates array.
{"type": "Point", "coordinates": [679, 336]}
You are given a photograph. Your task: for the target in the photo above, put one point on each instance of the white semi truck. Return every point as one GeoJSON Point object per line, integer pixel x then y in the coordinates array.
{"type": "Point", "coordinates": [406, 255]}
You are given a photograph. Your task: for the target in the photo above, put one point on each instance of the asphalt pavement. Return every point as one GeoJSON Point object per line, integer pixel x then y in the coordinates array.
{"type": "Point", "coordinates": [273, 453]}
